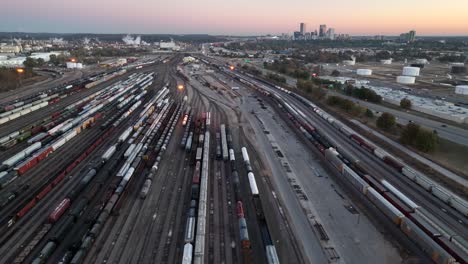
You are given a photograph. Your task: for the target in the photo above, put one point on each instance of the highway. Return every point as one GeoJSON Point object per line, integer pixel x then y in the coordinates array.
{"type": "Point", "coordinates": [462, 181]}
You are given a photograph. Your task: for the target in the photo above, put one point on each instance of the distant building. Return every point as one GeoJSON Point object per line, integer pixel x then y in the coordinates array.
{"type": "Point", "coordinates": [408, 37]}
{"type": "Point", "coordinates": [167, 45]}
{"type": "Point", "coordinates": [10, 49]}
{"type": "Point", "coordinates": [322, 31]}
{"type": "Point", "coordinates": [297, 35]}
{"type": "Point", "coordinates": [303, 28]}
{"type": "Point", "coordinates": [113, 62]}
{"type": "Point", "coordinates": [412, 36]}
{"type": "Point", "coordinates": [331, 33]}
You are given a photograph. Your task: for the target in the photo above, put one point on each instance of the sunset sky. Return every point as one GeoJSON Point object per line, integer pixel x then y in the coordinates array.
{"type": "Point", "coordinates": [237, 17]}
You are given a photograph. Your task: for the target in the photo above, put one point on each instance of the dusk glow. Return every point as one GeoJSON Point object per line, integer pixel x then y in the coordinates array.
{"type": "Point", "coordinates": [359, 17]}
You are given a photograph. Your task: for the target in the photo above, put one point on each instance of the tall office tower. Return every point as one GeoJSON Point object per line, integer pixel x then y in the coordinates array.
{"type": "Point", "coordinates": [303, 28]}
{"type": "Point", "coordinates": [323, 31]}
{"type": "Point", "coordinates": [412, 36]}
{"type": "Point", "coordinates": [331, 33]}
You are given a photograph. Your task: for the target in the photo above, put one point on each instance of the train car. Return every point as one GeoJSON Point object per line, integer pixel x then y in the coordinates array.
{"type": "Point", "coordinates": [253, 184]}
{"type": "Point", "coordinates": [271, 254]}
{"type": "Point", "coordinates": [196, 173]}
{"type": "Point", "coordinates": [59, 210]}
{"type": "Point", "coordinates": [244, 233]}
{"type": "Point", "coordinates": [188, 254]}
{"type": "Point", "coordinates": [189, 234]}
{"type": "Point", "coordinates": [385, 206]}
{"type": "Point", "coordinates": [354, 178]}
{"type": "Point", "coordinates": [199, 153]}
{"type": "Point", "coordinates": [224, 146]}
{"type": "Point", "coordinates": [429, 246]}
{"type": "Point", "coordinates": [332, 156]}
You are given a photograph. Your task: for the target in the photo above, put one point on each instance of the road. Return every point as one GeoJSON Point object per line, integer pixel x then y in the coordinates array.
{"type": "Point", "coordinates": [462, 181]}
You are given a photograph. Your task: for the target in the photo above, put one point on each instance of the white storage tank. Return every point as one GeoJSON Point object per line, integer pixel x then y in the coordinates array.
{"type": "Point", "coordinates": [406, 79]}
{"type": "Point", "coordinates": [456, 64]}
{"type": "Point", "coordinates": [461, 89]}
{"type": "Point", "coordinates": [420, 61]}
{"type": "Point", "coordinates": [389, 61]}
{"type": "Point", "coordinates": [79, 65]}
{"type": "Point", "coordinates": [349, 62]}
{"type": "Point", "coordinates": [364, 72]}
{"type": "Point", "coordinates": [71, 65]}
{"type": "Point", "coordinates": [411, 71]}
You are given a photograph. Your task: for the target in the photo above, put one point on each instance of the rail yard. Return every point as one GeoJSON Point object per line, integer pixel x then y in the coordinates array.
{"type": "Point", "coordinates": [152, 163]}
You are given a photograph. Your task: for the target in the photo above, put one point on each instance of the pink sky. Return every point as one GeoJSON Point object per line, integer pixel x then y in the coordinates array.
{"type": "Point", "coordinates": [356, 17]}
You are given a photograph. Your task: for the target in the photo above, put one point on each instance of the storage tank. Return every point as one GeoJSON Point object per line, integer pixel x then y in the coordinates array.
{"type": "Point", "coordinates": [79, 65]}
{"type": "Point", "coordinates": [406, 79]}
{"type": "Point", "coordinates": [71, 65]}
{"type": "Point", "coordinates": [364, 72]}
{"type": "Point", "coordinates": [411, 71]}
{"type": "Point", "coordinates": [420, 61]}
{"type": "Point", "coordinates": [461, 89]}
{"type": "Point", "coordinates": [388, 61]}
{"type": "Point", "coordinates": [349, 62]}
{"type": "Point", "coordinates": [456, 64]}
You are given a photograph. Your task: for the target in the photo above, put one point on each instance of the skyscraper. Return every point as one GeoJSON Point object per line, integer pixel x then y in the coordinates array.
{"type": "Point", "coordinates": [412, 36]}
{"type": "Point", "coordinates": [303, 28]}
{"type": "Point", "coordinates": [331, 33]}
{"type": "Point", "coordinates": [323, 31]}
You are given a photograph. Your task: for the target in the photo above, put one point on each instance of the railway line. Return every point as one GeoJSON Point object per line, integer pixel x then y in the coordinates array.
{"type": "Point", "coordinates": [110, 180]}
{"type": "Point", "coordinates": [437, 216]}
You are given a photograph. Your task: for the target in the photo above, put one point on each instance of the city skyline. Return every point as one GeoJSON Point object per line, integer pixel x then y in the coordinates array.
{"type": "Point", "coordinates": [232, 18]}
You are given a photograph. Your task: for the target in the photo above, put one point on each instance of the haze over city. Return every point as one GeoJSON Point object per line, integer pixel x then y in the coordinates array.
{"type": "Point", "coordinates": [243, 17]}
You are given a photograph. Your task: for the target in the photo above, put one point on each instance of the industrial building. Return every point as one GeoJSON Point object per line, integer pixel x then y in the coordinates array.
{"type": "Point", "coordinates": [4, 48]}
{"type": "Point", "coordinates": [167, 45]}
{"type": "Point", "coordinates": [113, 63]}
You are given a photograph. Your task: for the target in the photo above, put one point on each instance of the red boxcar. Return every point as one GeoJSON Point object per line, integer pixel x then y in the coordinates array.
{"type": "Point", "coordinates": [35, 130]}
{"type": "Point", "coordinates": [55, 115]}
{"type": "Point", "coordinates": [27, 165]}
{"type": "Point", "coordinates": [44, 192]}
{"type": "Point", "coordinates": [240, 209]}
{"type": "Point", "coordinates": [359, 140]}
{"type": "Point", "coordinates": [196, 173]}
{"type": "Point", "coordinates": [26, 208]}
{"type": "Point", "coordinates": [44, 154]}
{"type": "Point", "coordinates": [392, 162]}
{"type": "Point", "coordinates": [59, 178]}
{"type": "Point", "coordinates": [59, 210]}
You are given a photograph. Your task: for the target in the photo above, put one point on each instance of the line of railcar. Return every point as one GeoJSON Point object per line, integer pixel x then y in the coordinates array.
{"type": "Point", "coordinates": [399, 208]}
{"type": "Point", "coordinates": [143, 141]}
{"type": "Point", "coordinates": [270, 248]}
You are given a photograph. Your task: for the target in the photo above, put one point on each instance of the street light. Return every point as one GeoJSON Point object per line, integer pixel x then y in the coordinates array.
{"type": "Point", "coordinates": [231, 67]}
{"type": "Point", "coordinates": [20, 72]}
{"type": "Point", "coordinates": [73, 60]}
{"type": "Point", "coordinates": [180, 87]}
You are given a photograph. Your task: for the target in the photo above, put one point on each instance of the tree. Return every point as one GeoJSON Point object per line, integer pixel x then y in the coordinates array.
{"type": "Point", "coordinates": [30, 63]}
{"type": "Point", "coordinates": [335, 73]}
{"type": "Point", "coordinates": [420, 138]}
{"type": "Point", "coordinates": [369, 113]}
{"type": "Point", "coordinates": [386, 121]}
{"type": "Point", "coordinates": [405, 103]}
{"type": "Point", "coordinates": [409, 133]}
{"type": "Point", "coordinates": [40, 62]}
{"type": "Point", "coordinates": [426, 140]}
